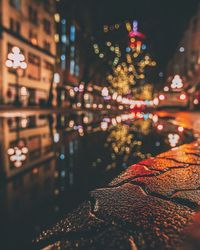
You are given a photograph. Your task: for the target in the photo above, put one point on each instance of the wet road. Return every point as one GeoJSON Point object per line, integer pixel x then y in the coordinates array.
{"type": "Point", "coordinates": [52, 163]}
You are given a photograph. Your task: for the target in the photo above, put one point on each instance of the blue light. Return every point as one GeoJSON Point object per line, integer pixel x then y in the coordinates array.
{"type": "Point", "coordinates": [64, 39]}
{"type": "Point", "coordinates": [62, 173]}
{"type": "Point", "coordinates": [62, 156]}
{"type": "Point", "coordinates": [62, 57]}
{"type": "Point", "coordinates": [147, 102]}
{"type": "Point", "coordinates": [135, 25]}
{"type": "Point", "coordinates": [146, 116]}
{"type": "Point", "coordinates": [72, 33]}
{"type": "Point", "coordinates": [128, 49]}
{"type": "Point", "coordinates": [144, 46]}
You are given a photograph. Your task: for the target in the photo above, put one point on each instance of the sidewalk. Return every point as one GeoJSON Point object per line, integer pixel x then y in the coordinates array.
{"type": "Point", "coordinates": [152, 205]}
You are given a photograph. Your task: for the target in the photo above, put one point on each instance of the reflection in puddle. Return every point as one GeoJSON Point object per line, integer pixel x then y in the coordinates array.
{"type": "Point", "coordinates": [56, 160]}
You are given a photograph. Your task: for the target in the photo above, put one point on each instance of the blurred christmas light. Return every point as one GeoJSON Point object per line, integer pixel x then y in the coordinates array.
{"type": "Point", "coordinates": [177, 82]}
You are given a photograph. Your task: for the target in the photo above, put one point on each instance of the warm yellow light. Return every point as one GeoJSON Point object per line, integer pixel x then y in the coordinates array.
{"type": "Point", "coordinates": [57, 17]}
{"type": "Point", "coordinates": [56, 38]}
{"type": "Point", "coordinates": [128, 26]}
{"type": "Point", "coordinates": [34, 41]}
{"type": "Point", "coordinates": [132, 40]}
{"type": "Point", "coordinates": [105, 28]}
{"type": "Point", "coordinates": [71, 124]}
{"type": "Point", "coordinates": [86, 97]}
{"type": "Point", "coordinates": [153, 63]}
{"type": "Point", "coordinates": [104, 126]}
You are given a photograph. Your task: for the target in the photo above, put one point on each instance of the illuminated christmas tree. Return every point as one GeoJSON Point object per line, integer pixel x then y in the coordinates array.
{"type": "Point", "coordinates": [129, 63]}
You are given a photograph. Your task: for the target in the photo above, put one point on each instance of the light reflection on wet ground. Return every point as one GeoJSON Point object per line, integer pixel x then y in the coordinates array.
{"type": "Point", "coordinates": [51, 162]}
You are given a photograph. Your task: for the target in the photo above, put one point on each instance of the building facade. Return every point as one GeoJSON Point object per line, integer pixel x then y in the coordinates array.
{"type": "Point", "coordinates": [186, 60]}
{"type": "Point", "coordinates": [69, 59]}
{"type": "Point", "coordinates": [73, 61]}
{"type": "Point", "coordinates": [28, 25]}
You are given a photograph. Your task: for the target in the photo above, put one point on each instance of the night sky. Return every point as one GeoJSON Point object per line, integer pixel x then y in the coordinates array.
{"type": "Point", "coordinates": [162, 21]}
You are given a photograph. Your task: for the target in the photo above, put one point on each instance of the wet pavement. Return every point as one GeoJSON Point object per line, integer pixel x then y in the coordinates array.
{"type": "Point", "coordinates": [152, 205]}
{"type": "Point", "coordinates": [152, 211]}
{"type": "Point", "coordinates": [68, 156]}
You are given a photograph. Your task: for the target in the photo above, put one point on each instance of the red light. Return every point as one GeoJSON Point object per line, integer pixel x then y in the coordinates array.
{"type": "Point", "coordinates": [132, 45]}
{"type": "Point", "coordinates": [161, 97]}
{"type": "Point", "coordinates": [136, 34]}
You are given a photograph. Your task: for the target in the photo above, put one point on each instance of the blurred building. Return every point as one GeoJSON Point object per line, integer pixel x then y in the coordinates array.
{"type": "Point", "coordinates": [68, 59]}
{"type": "Point", "coordinates": [29, 25]}
{"type": "Point", "coordinates": [75, 60]}
{"type": "Point", "coordinates": [186, 60]}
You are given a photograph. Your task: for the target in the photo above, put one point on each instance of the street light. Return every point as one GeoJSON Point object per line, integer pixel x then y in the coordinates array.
{"type": "Point", "coordinates": [18, 154]}
{"type": "Point", "coordinates": [16, 61]}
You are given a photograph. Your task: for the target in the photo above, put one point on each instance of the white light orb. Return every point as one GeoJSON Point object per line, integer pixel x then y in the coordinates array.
{"type": "Point", "coordinates": [15, 50]}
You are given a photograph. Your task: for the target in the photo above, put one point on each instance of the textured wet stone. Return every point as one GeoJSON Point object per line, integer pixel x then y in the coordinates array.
{"type": "Point", "coordinates": [172, 181]}
{"type": "Point", "coordinates": [151, 205]}
{"type": "Point", "coordinates": [187, 158]}
{"type": "Point", "coordinates": [131, 173]}
{"type": "Point", "coordinates": [192, 196]}
{"type": "Point", "coordinates": [192, 148]}
{"type": "Point", "coordinates": [154, 223]}
{"type": "Point", "coordinates": [109, 239]}
{"type": "Point", "coordinates": [160, 164]}
{"type": "Point", "coordinates": [78, 223]}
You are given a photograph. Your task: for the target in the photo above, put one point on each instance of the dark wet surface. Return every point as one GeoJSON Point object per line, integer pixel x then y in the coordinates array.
{"type": "Point", "coordinates": [145, 207]}
{"type": "Point", "coordinates": [67, 157]}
